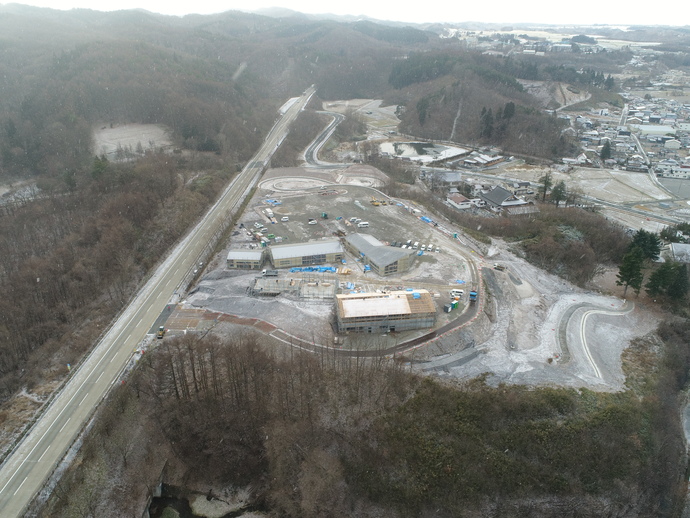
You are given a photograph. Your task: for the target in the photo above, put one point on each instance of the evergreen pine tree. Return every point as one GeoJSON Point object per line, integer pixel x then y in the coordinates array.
{"type": "Point", "coordinates": [630, 270]}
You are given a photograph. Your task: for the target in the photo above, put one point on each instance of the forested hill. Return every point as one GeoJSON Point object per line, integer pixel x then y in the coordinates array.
{"type": "Point", "coordinates": [93, 229]}
{"type": "Point", "coordinates": [215, 80]}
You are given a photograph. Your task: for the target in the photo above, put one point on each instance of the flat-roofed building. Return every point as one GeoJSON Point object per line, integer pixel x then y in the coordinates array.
{"type": "Point", "coordinates": [245, 259]}
{"type": "Point", "coordinates": [385, 312]}
{"type": "Point", "coordinates": [306, 254]}
{"type": "Point", "coordinates": [383, 260]}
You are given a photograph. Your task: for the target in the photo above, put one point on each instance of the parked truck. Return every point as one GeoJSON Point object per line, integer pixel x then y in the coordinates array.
{"type": "Point", "coordinates": [473, 297]}
{"type": "Point", "coordinates": [269, 273]}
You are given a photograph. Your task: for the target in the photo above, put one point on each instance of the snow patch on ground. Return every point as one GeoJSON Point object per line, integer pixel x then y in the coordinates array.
{"type": "Point", "coordinates": [108, 138]}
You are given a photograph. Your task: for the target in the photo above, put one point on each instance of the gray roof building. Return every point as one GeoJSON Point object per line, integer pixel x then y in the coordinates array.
{"type": "Point", "coordinates": [383, 260]}
{"type": "Point", "coordinates": [500, 197]}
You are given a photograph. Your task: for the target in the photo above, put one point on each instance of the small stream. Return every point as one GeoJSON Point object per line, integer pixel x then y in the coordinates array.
{"type": "Point", "coordinates": [175, 498]}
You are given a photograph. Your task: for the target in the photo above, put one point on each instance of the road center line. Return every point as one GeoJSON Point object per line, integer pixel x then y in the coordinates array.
{"type": "Point", "coordinates": [63, 426]}
{"type": "Point", "coordinates": [39, 459]}
{"type": "Point", "coordinates": [87, 395]}
{"type": "Point", "coordinates": [20, 485]}
{"type": "Point", "coordinates": [98, 378]}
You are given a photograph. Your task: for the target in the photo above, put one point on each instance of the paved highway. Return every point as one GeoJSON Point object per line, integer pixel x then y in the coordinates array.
{"type": "Point", "coordinates": [26, 470]}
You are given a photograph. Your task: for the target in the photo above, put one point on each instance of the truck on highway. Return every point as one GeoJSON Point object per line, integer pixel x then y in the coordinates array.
{"type": "Point", "coordinates": [473, 297]}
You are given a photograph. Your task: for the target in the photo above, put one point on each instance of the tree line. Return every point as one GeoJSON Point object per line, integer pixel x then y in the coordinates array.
{"type": "Point", "coordinates": [72, 256]}
{"type": "Point", "coordinates": [571, 242]}
{"type": "Point", "coordinates": [323, 434]}
{"type": "Point", "coordinates": [668, 279]}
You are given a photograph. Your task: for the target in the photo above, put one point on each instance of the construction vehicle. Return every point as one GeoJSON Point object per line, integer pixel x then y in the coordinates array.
{"type": "Point", "coordinates": [374, 202]}
{"type": "Point", "coordinates": [160, 333]}
{"type": "Point", "coordinates": [473, 297]}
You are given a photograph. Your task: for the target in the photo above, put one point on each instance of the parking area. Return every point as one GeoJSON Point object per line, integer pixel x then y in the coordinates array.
{"type": "Point", "coordinates": [289, 208]}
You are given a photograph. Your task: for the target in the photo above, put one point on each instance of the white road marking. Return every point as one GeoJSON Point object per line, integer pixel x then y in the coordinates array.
{"type": "Point", "coordinates": [10, 480]}
{"type": "Point", "coordinates": [39, 459]}
{"type": "Point", "coordinates": [63, 426]}
{"type": "Point", "coordinates": [87, 395]}
{"type": "Point", "coordinates": [584, 344]}
{"type": "Point", "coordinates": [227, 195]}
{"type": "Point", "coordinates": [99, 377]}
{"type": "Point", "coordinates": [20, 485]}
{"type": "Point", "coordinates": [584, 338]}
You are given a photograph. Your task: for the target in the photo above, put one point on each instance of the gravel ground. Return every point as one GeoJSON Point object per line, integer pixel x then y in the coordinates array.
{"type": "Point", "coordinates": [530, 330]}
{"type": "Point", "coordinates": [523, 343]}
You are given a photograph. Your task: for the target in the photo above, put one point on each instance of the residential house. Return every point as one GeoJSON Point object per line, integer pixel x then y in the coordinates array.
{"type": "Point", "coordinates": [499, 198]}
{"type": "Point", "coordinates": [458, 201]}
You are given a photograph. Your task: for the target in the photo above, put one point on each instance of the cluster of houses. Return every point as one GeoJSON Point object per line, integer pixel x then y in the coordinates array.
{"type": "Point", "coordinates": [500, 43]}
{"type": "Point", "coordinates": [661, 127]}
{"type": "Point", "coordinates": [496, 199]}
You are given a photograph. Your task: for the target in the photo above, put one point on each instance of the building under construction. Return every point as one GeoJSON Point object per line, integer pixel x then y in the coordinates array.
{"type": "Point", "coordinates": [385, 312]}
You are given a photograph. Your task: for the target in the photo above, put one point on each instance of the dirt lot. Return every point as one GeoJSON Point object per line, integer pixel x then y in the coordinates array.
{"type": "Point", "coordinates": [533, 332]}
{"type": "Point", "coordinates": [346, 195]}
{"type": "Point", "coordinates": [534, 328]}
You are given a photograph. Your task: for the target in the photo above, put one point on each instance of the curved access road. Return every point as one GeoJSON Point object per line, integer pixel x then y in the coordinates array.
{"type": "Point", "coordinates": [25, 471]}
{"type": "Point", "coordinates": [310, 154]}
{"type": "Point", "coordinates": [583, 335]}
{"type": "Point", "coordinates": [567, 319]}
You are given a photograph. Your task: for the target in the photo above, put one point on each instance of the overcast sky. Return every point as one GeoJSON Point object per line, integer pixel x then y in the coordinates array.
{"type": "Point", "coordinates": [609, 12]}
